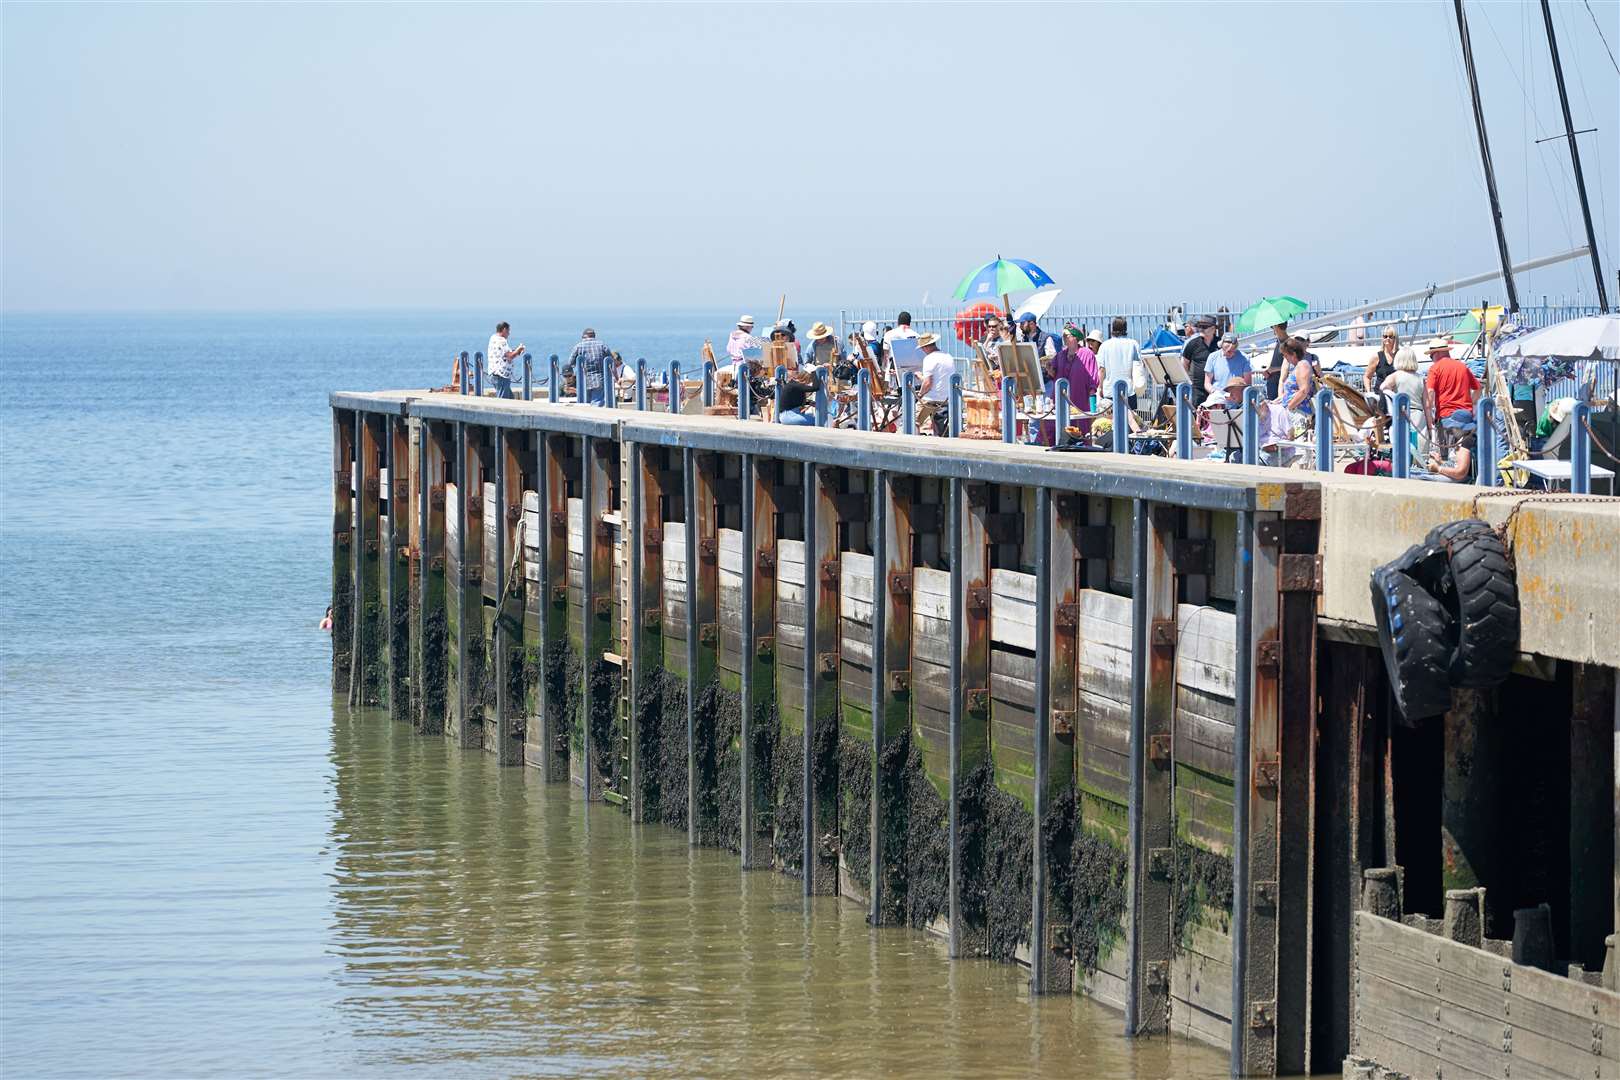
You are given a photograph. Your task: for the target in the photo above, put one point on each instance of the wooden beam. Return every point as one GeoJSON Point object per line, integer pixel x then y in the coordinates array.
{"type": "Point", "coordinates": [548, 749]}
{"type": "Point", "coordinates": [370, 636]}
{"type": "Point", "coordinates": [646, 516]}
{"type": "Point", "coordinates": [399, 559]}
{"type": "Point", "coordinates": [597, 495]}
{"type": "Point", "coordinates": [432, 629]}
{"type": "Point", "coordinates": [1258, 1025]}
{"type": "Point", "coordinates": [759, 658]}
{"type": "Point", "coordinates": [465, 728]}
{"type": "Point", "coordinates": [891, 677]}
{"type": "Point", "coordinates": [1153, 697]}
{"type": "Point", "coordinates": [509, 606]}
{"type": "Point", "coordinates": [343, 584]}
{"type": "Point", "coordinates": [972, 505]}
{"type": "Point", "coordinates": [823, 520]}
{"type": "Point", "coordinates": [1052, 966]}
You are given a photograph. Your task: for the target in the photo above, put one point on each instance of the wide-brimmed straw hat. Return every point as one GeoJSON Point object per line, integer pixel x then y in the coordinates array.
{"type": "Point", "coordinates": [1438, 345]}
{"type": "Point", "coordinates": [1094, 335]}
{"type": "Point", "coordinates": [925, 340]}
{"type": "Point", "coordinates": [745, 320]}
{"type": "Point", "coordinates": [820, 330]}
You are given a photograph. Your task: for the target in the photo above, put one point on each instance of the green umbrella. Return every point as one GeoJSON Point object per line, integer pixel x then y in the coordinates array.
{"type": "Point", "coordinates": [999, 277]}
{"type": "Point", "coordinates": [1269, 312]}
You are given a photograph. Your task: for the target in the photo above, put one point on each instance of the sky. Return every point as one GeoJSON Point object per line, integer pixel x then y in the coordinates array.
{"type": "Point", "coordinates": [336, 157]}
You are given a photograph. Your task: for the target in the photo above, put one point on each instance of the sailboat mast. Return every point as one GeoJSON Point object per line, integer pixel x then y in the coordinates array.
{"type": "Point", "coordinates": [1575, 158]}
{"type": "Point", "coordinates": [1485, 158]}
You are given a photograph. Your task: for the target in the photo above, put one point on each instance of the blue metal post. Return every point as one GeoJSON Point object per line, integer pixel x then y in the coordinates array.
{"type": "Point", "coordinates": [1184, 421]}
{"type": "Point", "coordinates": [528, 377]}
{"type": "Point", "coordinates": [1487, 442]}
{"type": "Point", "coordinates": [1580, 450]}
{"type": "Point", "coordinates": [863, 400]}
{"type": "Point", "coordinates": [1060, 415]}
{"type": "Point", "coordinates": [579, 381]}
{"type": "Point", "coordinates": [478, 374]}
{"type": "Point", "coordinates": [821, 397]}
{"type": "Point", "coordinates": [675, 387]}
{"type": "Point", "coordinates": [1251, 425]}
{"type": "Point", "coordinates": [908, 403]}
{"type": "Point", "coordinates": [744, 406]}
{"type": "Point", "coordinates": [466, 376]}
{"type": "Point", "coordinates": [553, 380]}
{"type": "Point", "coordinates": [1324, 430]}
{"type": "Point", "coordinates": [1122, 426]}
{"type": "Point", "coordinates": [781, 388]}
{"type": "Point", "coordinates": [1009, 411]}
{"type": "Point", "coordinates": [956, 405]}
{"type": "Point", "coordinates": [708, 383]}
{"type": "Point", "coordinates": [641, 384]}
{"type": "Point", "coordinates": [1400, 438]}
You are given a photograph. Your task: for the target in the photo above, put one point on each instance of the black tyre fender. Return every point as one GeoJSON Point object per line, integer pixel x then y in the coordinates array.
{"type": "Point", "coordinates": [1481, 594]}
{"type": "Point", "coordinates": [1415, 636]}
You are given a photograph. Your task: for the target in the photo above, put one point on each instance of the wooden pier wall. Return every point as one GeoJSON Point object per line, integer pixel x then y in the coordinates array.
{"type": "Point", "coordinates": [1062, 710]}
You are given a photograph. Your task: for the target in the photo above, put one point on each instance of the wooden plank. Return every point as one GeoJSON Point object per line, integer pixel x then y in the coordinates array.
{"type": "Point", "coordinates": [1012, 609]}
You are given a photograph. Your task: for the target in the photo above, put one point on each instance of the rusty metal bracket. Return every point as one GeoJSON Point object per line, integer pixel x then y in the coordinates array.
{"type": "Point", "coordinates": [829, 573]}
{"type": "Point", "coordinates": [709, 633]}
{"type": "Point", "coordinates": [402, 553]}
{"type": "Point", "coordinates": [1094, 541]}
{"type": "Point", "coordinates": [1299, 573]}
{"type": "Point", "coordinates": [826, 664]}
{"type": "Point", "coordinates": [474, 575]}
{"type": "Point", "coordinates": [1302, 502]}
{"type": "Point", "coordinates": [373, 486]}
{"type": "Point", "coordinates": [650, 618]}
{"type": "Point", "coordinates": [1165, 517]}
{"type": "Point", "coordinates": [978, 701]}
{"type": "Point", "coordinates": [708, 548]}
{"type": "Point", "coordinates": [604, 530]}
{"type": "Point", "coordinates": [1268, 654]}
{"type": "Point", "coordinates": [1067, 616]}
{"type": "Point", "coordinates": [514, 513]}
{"type": "Point", "coordinates": [559, 519]}
{"type": "Point", "coordinates": [1265, 894]}
{"type": "Point", "coordinates": [900, 585]}
{"type": "Point", "coordinates": [1161, 862]}
{"type": "Point", "coordinates": [559, 594]}
{"type": "Point", "coordinates": [1193, 556]}
{"type": "Point", "coordinates": [978, 493]}
{"type": "Point", "coordinates": [900, 681]}
{"type": "Point", "coordinates": [371, 547]}
{"type": "Point", "coordinates": [765, 647]}
{"type": "Point", "coordinates": [1163, 635]}
{"type": "Point", "coordinates": [1063, 722]}
{"type": "Point", "coordinates": [978, 599]}
{"type": "Point", "coordinates": [652, 538]}
{"type": "Point", "coordinates": [341, 538]}
{"type": "Point", "coordinates": [436, 564]}
{"type": "Point", "coordinates": [1158, 975]}
{"type": "Point", "coordinates": [766, 561]}
{"type": "Point", "coordinates": [1262, 1014]}
{"type": "Point", "coordinates": [436, 496]}
{"type": "Point", "coordinates": [402, 491]}
{"type": "Point", "coordinates": [1268, 534]}
{"type": "Point", "coordinates": [475, 508]}
{"type": "Point", "coordinates": [1159, 749]}
{"type": "Point", "coordinates": [1267, 771]}
{"type": "Point", "coordinates": [602, 605]}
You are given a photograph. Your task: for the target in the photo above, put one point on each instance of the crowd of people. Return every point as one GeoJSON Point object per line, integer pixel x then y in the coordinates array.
{"type": "Point", "coordinates": [1212, 363]}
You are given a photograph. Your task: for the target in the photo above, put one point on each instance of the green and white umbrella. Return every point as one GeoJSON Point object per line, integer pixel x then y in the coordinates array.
{"type": "Point", "coordinates": [1269, 311]}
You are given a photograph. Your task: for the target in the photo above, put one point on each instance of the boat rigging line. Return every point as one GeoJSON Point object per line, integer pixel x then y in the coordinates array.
{"type": "Point", "coordinates": [1574, 155]}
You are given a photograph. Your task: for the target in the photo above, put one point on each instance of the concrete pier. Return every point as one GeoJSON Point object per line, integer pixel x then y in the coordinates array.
{"type": "Point", "coordinates": [1120, 719]}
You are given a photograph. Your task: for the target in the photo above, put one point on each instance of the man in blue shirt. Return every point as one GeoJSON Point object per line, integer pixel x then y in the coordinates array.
{"type": "Point", "coordinates": [1224, 365]}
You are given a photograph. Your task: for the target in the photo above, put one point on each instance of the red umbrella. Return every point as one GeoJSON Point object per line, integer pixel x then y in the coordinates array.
{"type": "Point", "coordinates": [970, 321]}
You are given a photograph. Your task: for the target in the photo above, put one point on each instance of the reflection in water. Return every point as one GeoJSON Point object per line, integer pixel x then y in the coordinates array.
{"type": "Point", "coordinates": [488, 922]}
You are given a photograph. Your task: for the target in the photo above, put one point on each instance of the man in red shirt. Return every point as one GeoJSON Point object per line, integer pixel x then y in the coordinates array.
{"type": "Point", "coordinates": [1452, 390]}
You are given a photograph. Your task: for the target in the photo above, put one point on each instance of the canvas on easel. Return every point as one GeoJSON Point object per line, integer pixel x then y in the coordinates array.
{"type": "Point", "coordinates": [1024, 365]}
{"type": "Point", "coordinates": [1166, 369]}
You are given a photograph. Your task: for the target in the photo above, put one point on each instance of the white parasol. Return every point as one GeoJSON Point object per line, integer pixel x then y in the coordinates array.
{"type": "Point", "coordinates": [1594, 337]}
{"type": "Point", "coordinates": [1038, 304]}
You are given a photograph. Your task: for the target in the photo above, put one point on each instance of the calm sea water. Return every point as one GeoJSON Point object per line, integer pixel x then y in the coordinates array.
{"type": "Point", "coordinates": [208, 867]}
